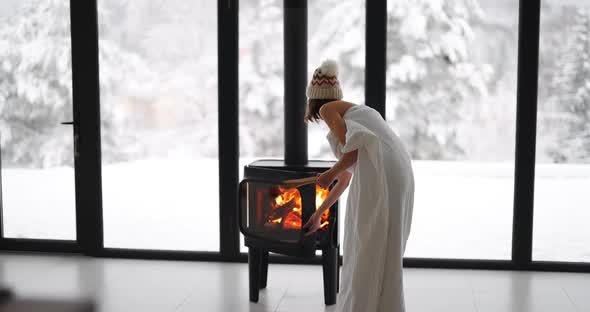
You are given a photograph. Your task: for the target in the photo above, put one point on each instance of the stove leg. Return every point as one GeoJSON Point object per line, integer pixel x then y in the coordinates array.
{"type": "Point", "coordinates": [254, 266]}
{"type": "Point", "coordinates": [264, 269]}
{"type": "Point", "coordinates": [330, 268]}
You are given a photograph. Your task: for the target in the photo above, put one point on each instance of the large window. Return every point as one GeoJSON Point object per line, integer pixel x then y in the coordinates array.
{"type": "Point", "coordinates": [451, 80]}
{"type": "Point", "coordinates": [562, 174]}
{"type": "Point", "coordinates": [261, 80]}
{"type": "Point", "coordinates": [37, 175]}
{"type": "Point", "coordinates": [451, 97]}
{"type": "Point", "coordinates": [158, 80]}
{"type": "Point", "coordinates": [343, 40]}
{"type": "Point", "coordinates": [261, 83]}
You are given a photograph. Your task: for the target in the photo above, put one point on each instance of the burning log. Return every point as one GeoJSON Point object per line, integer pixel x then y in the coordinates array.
{"type": "Point", "coordinates": [282, 211]}
{"type": "Point", "coordinates": [285, 209]}
{"type": "Point", "coordinates": [292, 221]}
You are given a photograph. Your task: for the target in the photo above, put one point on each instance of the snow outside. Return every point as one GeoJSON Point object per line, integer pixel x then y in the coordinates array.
{"type": "Point", "coordinates": [451, 96]}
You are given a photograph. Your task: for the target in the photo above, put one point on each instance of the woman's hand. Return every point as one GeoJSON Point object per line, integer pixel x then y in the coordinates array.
{"type": "Point", "coordinates": [326, 178]}
{"type": "Point", "coordinates": [313, 224]}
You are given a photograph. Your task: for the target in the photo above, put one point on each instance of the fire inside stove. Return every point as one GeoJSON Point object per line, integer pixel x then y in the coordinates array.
{"type": "Point", "coordinates": [285, 209]}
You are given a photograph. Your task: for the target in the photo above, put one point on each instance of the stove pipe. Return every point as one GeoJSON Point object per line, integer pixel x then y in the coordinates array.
{"type": "Point", "coordinates": [295, 45]}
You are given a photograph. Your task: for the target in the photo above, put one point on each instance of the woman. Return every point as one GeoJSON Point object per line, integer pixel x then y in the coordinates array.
{"type": "Point", "coordinates": [380, 201]}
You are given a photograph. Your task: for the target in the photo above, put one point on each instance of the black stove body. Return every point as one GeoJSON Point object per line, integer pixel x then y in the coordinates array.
{"type": "Point", "coordinates": [271, 216]}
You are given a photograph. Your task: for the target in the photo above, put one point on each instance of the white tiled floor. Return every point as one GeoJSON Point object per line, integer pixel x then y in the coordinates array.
{"type": "Point", "coordinates": [135, 285]}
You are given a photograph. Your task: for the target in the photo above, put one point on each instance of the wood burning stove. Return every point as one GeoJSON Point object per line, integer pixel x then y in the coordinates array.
{"type": "Point", "coordinates": [271, 218]}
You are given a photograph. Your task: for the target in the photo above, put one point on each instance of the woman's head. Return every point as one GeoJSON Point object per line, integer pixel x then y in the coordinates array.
{"type": "Point", "coordinates": [323, 88]}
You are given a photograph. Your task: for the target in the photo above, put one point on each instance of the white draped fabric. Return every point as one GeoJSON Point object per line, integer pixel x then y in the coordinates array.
{"type": "Point", "coordinates": [378, 214]}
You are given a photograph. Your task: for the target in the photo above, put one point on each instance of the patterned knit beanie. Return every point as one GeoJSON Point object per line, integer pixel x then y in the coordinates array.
{"type": "Point", "coordinates": [324, 84]}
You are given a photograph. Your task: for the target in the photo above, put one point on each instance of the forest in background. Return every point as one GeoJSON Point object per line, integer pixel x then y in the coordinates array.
{"type": "Point", "coordinates": [451, 78]}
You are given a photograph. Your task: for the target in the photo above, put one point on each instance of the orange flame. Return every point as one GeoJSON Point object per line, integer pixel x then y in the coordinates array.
{"type": "Point", "coordinates": [292, 219]}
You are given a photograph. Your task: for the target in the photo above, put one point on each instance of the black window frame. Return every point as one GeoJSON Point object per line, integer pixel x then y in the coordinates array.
{"type": "Point", "coordinates": [85, 76]}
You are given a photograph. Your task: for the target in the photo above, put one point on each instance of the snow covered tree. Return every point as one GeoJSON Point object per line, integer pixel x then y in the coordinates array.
{"type": "Point", "coordinates": [261, 78]}
{"type": "Point", "coordinates": [431, 74]}
{"type": "Point", "coordinates": [569, 110]}
{"type": "Point", "coordinates": [176, 112]}
{"type": "Point", "coordinates": [36, 86]}
{"type": "Point", "coordinates": [342, 39]}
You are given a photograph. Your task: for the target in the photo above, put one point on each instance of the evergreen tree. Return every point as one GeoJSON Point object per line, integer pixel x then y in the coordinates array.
{"type": "Point", "coordinates": [36, 87]}
{"type": "Point", "coordinates": [341, 39]}
{"type": "Point", "coordinates": [177, 115]}
{"type": "Point", "coordinates": [431, 75]}
{"type": "Point", "coordinates": [261, 78]}
{"type": "Point", "coordinates": [570, 117]}
{"type": "Point", "coordinates": [35, 84]}
{"type": "Point", "coordinates": [429, 68]}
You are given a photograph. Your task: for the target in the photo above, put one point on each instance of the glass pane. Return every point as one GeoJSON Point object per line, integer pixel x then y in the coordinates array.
{"type": "Point", "coordinates": [451, 97]}
{"type": "Point", "coordinates": [261, 82]}
{"type": "Point", "coordinates": [37, 175]}
{"type": "Point", "coordinates": [275, 212]}
{"type": "Point", "coordinates": [343, 40]}
{"type": "Point", "coordinates": [331, 37]}
{"type": "Point", "coordinates": [562, 174]}
{"type": "Point", "coordinates": [158, 79]}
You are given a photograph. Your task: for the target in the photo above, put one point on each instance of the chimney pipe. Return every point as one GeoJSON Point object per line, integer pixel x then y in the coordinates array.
{"type": "Point", "coordinates": [295, 45]}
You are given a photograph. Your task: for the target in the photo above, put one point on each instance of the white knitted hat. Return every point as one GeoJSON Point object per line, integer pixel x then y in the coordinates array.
{"type": "Point", "coordinates": [324, 84]}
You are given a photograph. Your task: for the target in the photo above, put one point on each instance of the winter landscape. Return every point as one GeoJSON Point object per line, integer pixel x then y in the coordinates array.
{"type": "Point", "coordinates": [451, 96]}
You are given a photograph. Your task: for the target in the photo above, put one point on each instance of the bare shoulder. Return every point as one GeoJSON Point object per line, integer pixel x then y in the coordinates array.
{"type": "Point", "coordinates": [335, 107]}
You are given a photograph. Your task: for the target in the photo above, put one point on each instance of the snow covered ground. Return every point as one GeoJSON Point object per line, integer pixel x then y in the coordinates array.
{"type": "Point", "coordinates": [462, 209]}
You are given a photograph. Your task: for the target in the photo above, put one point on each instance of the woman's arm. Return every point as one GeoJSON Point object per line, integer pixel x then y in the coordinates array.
{"type": "Point", "coordinates": [332, 115]}
{"type": "Point", "coordinates": [341, 185]}
{"type": "Point", "coordinates": [314, 223]}
{"type": "Point", "coordinates": [347, 160]}
{"type": "Point", "coordinates": [339, 168]}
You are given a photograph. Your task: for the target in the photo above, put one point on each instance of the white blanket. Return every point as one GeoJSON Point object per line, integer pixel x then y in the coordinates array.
{"type": "Point", "coordinates": [378, 214]}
